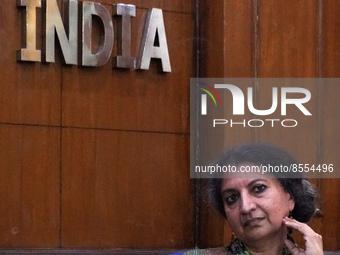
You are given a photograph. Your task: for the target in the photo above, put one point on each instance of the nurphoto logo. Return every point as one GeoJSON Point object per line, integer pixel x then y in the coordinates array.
{"type": "Point", "coordinates": [238, 99]}
{"type": "Point", "coordinates": [281, 97]}
{"type": "Point", "coordinates": [225, 111]}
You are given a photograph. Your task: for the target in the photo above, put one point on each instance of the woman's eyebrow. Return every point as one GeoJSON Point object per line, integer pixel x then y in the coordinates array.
{"type": "Point", "coordinates": [249, 185]}
{"type": "Point", "coordinates": [228, 190]}
{"type": "Point", "coordinates": [254, 181]}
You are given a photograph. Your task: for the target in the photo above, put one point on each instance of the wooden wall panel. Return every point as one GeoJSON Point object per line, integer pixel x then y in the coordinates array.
{"type": "Point", "coordinates": [330, 67]}
{"type": "Point", "coordinates": [211, 63]}
{"type": "Point", "coordinates": [287, 38]}
{"type": "Point", "coordinates": [152, 208]}
{"type": "Point", "coordinates": [301, 141]}
{"type": "Point", "coordinates": [226, 50]}
{"type": "Point", "coordinates": [135, 100]}
{"type": "Point", "coordinates": [239, 57]}
{"type": "Point", "coordinates": [29, 92]}
{"type": "Point", "coordinates": [105, 204]}
{"type": "Point", "coordinates": [29, 186]}
{"type": "Point", "coordinates": [288, 43]}
{"type": "Point", "coordinates": [211, 41]}
{"type": "Point", "coordinates": [132, 184]}
{"type": "Point", "coordinates": [126, 190]}
{"type": "Point", "coordinates": [287, 48]}
{"type": "Point", "coordinates": [135, 187]}
{"type": "Point", "coordinates": [239, 39]}
{"type": "Point", "coordinates": [330, 36]}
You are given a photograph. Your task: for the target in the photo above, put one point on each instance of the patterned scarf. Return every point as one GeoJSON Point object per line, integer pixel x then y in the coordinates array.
{"type": "Point", "coordinates": [236, 247]}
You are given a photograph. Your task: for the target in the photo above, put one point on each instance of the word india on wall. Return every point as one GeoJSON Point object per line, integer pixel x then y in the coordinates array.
{"type": "Point", "coordinates": [153, 41]}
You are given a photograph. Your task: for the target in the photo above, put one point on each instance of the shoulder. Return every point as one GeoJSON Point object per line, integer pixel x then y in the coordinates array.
{"type": "Point", "coordinates": [211, 251]}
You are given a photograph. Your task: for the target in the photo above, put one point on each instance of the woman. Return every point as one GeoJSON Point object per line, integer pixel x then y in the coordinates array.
{"type": "Point", "coordinates": [262, 209]}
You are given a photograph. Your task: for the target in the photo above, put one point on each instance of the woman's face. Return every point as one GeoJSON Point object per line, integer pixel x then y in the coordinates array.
{"type": "Point", "coordinates": [255, 207]}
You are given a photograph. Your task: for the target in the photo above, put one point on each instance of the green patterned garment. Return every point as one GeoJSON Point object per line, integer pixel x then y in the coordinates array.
{"type": "Point", "coordinates": [236, 247]}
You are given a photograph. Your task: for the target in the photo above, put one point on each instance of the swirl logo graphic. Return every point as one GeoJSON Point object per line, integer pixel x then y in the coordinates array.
{"type": "Point", "coordinates": [204, 97]}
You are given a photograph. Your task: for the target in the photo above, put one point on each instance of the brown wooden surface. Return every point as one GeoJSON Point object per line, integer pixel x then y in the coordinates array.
{"type": "Point", "coordinates": [239, 39]}
{"type": "Point", "coordinates": [115, 196]}
{"type": "Point", "coordinates": [29, 186]}
{"type": "Point", "coordinates": [29, 92]}
{"type": "Point", "coordinates": [295, 39]}
{"type": "Point", "coordinates": [99, 157]}
{"type": "Point", "coordinates": [226, 42]}
{"type": "Point", "coordinates": [287, 38]}
{"type": "Point", "coordinates": [211, 64]}
{"type": "Point", "coordinates": [287, 48]}
{"type": "Point", "coordinates": [135, 100]}
{"type": "Point", "coordinates": [72, 138]}
{"type": "Point", "coordinates": [330, 67]}
{"type": "Point", "coordinates": [138, 189]}
{"type": "Point", "coordinates": [287, 41]}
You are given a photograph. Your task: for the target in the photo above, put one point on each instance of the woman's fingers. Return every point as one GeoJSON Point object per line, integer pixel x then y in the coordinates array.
{"type": "Point", "coordinates": [301, 227]}
{"type": "Point", "coordinates": [313, 240]}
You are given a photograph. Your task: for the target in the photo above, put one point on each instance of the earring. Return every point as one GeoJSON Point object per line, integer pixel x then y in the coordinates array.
{"type": "Point", "coordinates": [290, 230]}
{"type": "Point", "coordinates": [290, 216]}
{"type": "Point", "coordinates": [232, 236]}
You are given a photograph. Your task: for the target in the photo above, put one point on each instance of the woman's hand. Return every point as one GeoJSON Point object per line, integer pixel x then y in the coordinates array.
{"type": "Point", "coordinates": [313, 240]}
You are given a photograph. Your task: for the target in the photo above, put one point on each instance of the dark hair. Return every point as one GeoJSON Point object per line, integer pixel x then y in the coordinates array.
{"type": "Point", "coordinates": [300, 189]}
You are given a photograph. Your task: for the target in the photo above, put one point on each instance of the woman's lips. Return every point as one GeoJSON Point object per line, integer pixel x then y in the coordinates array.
{"type": "Point", "coordinates": [253, 221]}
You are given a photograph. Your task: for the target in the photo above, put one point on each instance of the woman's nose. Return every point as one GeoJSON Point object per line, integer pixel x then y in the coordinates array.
{"type": "Point", "coordinates": [247, 203]}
